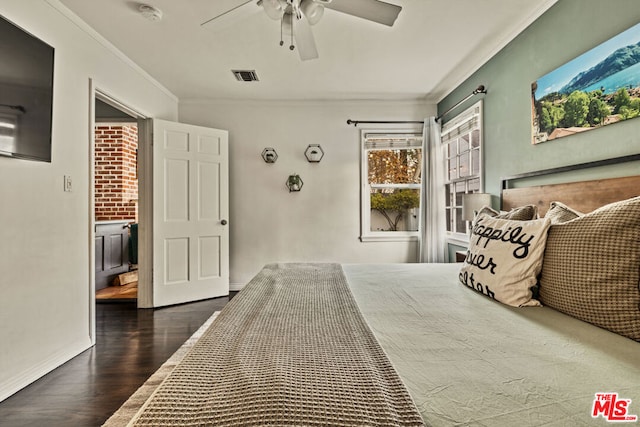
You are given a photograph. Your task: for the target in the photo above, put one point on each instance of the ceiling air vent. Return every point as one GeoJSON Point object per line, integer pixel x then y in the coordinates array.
{"type": "Point", "coordinates": [245, 75]}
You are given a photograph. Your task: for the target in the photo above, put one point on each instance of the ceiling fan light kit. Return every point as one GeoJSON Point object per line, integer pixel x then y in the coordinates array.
{"type": "Point", "coordinates": [274, 8]}
{"type": "Point", "coordinates": [297, 16]}
{"type": "Point", "coordinates": [313, 10]}
{"type": "Point", "coordinates": [150, 12]}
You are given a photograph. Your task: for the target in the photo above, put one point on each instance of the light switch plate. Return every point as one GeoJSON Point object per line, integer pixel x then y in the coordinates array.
{"type": "Point", "coordinates": [68, 183]}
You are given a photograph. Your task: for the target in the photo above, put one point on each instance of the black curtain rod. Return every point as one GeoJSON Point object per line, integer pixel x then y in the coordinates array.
{"type": "Point", "coordinates": [357, 122]}
{"type": "Point", "coordinates": [479, 89]}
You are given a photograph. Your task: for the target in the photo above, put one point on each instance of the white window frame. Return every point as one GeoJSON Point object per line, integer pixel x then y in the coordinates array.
{"type": "Point", "coordinates": [454, 125]}
{"type": "Point", "coordinates": [366, 235]}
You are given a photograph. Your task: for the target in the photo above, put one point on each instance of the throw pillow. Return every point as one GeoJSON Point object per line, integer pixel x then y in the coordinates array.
{"type": "Point", "coordinates": [591, 268]}
{"type": "Point", "coordinates": [559, 213]}
{"type": "Point", "coordinates": [521, 213]}
{"type": "Point", "coordinates": [504, 259]}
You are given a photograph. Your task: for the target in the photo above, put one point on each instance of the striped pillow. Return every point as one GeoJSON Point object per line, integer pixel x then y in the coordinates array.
{"type": "Point", "coordinates": [591, 268]}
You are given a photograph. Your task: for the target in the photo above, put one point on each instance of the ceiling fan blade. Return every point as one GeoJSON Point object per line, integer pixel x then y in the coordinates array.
{"type": "Point", "coordinates": [305, 43]}
{"type": "Point", "coordinates": [230, 17]}
{"type": "Point", "coordinates": [371, 10]}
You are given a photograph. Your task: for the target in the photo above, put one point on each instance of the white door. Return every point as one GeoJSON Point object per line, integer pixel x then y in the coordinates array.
{"type": "Point", "coordinates": [190, 213]}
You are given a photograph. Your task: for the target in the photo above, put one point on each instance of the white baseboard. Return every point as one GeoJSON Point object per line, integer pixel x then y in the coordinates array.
{"type": "Point", "coordinates": [236, 286]}
{"type": "Point", "coordinates": [22, 379]}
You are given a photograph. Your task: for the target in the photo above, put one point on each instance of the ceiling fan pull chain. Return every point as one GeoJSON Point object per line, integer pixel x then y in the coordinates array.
{"type": "Point", "coordinates": [291, 47]}
{"type": "Point", "coordinates": [286, 29]}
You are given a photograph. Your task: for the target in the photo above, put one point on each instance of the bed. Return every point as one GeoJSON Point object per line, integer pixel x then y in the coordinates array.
{"type": "Point", "coordinates": [473, 362]}
{"type": "Point", "coordinates": [409, 344]}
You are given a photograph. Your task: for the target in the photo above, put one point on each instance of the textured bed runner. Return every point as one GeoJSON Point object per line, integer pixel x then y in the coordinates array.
{"type": "Point", "coordinates": [291, 349]}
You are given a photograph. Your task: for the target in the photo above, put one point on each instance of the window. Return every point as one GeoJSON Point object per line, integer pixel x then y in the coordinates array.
{"type": "Point", "coordinates": [462, 137]}
{"type": "Point", "coordinates": [391, 182]}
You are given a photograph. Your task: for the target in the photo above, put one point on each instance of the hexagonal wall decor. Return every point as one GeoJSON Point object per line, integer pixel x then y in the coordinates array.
{"type": "Point", "coordinates": [269, 155]}
{"type": "Point", "coordinates": [294, 183]}
{"type": "Point", "coordinates": [314, 153]}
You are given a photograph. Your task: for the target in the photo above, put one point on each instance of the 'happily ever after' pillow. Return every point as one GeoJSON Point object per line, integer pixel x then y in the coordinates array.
{"type": "Point", "coordinates": [504, 259]}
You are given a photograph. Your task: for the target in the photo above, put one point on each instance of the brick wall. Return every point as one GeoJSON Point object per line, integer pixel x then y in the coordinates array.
{"type": "Point", "coordinates": [116, 181]}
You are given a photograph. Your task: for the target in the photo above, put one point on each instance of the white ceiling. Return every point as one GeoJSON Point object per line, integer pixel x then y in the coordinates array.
{"type": "Point", "coordinates": [433, 46]}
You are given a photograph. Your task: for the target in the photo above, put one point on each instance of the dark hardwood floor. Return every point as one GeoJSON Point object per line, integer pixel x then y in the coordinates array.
{"type": "Point", "coordinates": [131, 344]}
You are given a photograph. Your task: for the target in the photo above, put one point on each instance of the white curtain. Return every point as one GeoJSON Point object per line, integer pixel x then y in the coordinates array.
{"type": "Point", "coordinates": [432, 203]}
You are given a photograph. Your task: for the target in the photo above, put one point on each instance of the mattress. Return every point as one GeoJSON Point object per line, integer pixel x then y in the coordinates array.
{"type": "Point", "coordinates": [468, 360]}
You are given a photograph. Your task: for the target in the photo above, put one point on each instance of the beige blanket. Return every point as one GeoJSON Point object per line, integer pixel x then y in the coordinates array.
{"type": "Point", "coordinates": [291, 349]}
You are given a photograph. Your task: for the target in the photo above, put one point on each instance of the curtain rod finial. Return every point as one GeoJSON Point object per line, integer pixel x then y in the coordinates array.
{"type": "Point", "coordinates": [480, 89]}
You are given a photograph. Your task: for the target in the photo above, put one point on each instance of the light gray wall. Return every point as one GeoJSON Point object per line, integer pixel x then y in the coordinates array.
{"type": "Point", "coordinates": [45, 268]}
{"type": "Point", "coordinates": [321, 223]}
{"type": "Point", "coordinates": [568, 29]}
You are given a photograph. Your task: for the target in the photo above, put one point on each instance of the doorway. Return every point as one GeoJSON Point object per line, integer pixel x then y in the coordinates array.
{"type": "Point", "coordinates": [115, 189]}
{"type": "Point", "coordinates": [191, 250]}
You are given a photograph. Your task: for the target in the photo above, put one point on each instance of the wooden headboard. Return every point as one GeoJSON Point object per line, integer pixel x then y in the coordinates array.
{"type": "Point", "coordinates": [584, 196]}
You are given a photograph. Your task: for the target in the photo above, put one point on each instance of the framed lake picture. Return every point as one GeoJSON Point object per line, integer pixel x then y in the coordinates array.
{"type": "Point", "coordinates": [598, 88]}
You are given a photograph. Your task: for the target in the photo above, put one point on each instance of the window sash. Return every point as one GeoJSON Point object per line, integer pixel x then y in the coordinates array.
{"type": "Point", "coordinates": [385, 140]}
{"type": "Point", "coordinates": [463, 137]}
{"type": "Point", "coordinates": [411, 186]}
{"type": "Point", "coordinates": [391, 141]}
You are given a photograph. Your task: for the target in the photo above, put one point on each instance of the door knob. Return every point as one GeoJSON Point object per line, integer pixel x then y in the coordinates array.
{"type": "Point", "coordinates": [223, 222]}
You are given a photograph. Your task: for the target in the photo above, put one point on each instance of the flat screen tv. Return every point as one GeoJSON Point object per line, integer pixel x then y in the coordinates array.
{"type": "Point", "coordinates": [26, 94]}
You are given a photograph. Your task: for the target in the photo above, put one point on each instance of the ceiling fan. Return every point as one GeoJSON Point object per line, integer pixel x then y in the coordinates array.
{"type": "Point", "coordinates": [297, 16]}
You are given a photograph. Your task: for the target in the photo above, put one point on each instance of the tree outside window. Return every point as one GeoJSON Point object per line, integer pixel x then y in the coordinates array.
{"type": "Point", "coordinates": [392, 174]}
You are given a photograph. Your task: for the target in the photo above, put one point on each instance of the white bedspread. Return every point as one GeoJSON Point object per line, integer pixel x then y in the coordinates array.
{"type": "Point", "coordinates": [468, 360]}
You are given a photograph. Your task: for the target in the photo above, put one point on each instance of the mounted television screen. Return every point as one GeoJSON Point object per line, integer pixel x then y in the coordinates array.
{"type": "Point", "coordinates": [26, 94]}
